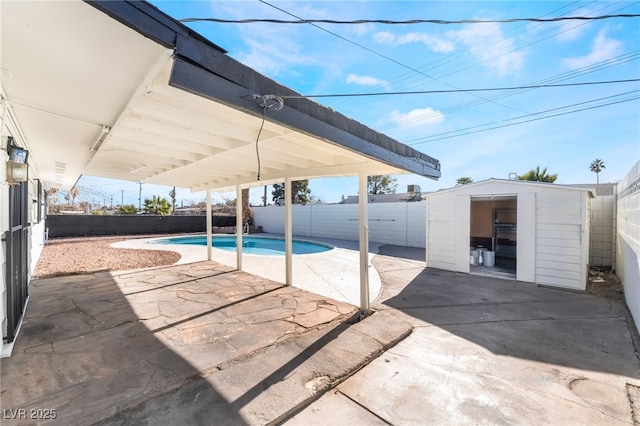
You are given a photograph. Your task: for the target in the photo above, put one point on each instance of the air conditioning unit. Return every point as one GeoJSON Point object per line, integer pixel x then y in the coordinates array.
{"type": "Point", "coordinates": [413, 188]}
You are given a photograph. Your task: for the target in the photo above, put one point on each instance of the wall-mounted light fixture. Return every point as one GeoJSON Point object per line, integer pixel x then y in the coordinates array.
{"type": "Point", "coordinates": [17, 169]}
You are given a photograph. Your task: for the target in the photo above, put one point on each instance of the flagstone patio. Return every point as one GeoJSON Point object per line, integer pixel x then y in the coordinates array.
{"type": "Point", "coordinates": [92, 345]}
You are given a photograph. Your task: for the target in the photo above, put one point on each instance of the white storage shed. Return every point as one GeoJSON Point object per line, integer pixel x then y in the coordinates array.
{"type": "Point", "coordinates": [531, 231]}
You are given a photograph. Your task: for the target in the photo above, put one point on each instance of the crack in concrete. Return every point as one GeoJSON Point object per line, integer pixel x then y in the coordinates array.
{"type": "Point", "coordinates": [573, 382]}
{"type": "Point", "coordinates": [174, 283]}
{"type": "Point", "coordinates": [569, 385]}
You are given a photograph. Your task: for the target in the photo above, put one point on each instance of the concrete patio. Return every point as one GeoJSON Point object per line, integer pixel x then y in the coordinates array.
{"type": "Point", "coordinates": [202, 343]}
{"type": "Point", "coordinates": [93, 346]}
{"type": "Point", "coordinates": [491, 352]}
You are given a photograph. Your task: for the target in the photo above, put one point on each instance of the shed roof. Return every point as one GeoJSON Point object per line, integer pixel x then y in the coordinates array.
{"type": "Point", "coordinates": [119, 89]}
{"type": "Point", "coordinates": [509, 186]}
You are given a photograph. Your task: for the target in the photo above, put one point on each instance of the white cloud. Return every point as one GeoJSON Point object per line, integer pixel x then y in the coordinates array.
{"type": "Point", "coordinates": [272, 55]}
{"type": "Point", "coordinates": [384, 37]}
{"type": "Point", "coordinates": [435, 44]}
{"type": "Point", "coordinates": [603, 48]}
{"type": "Point", "coordinates": [364, 80]}
{"type": "Point", "coordinates": [570, 31]}
{"type": "Point", "coordinates": [488, 45]}
{"type": "Point", "coordinates": [362, 29]}
{"type": "Point", "coordinates": [421, 117]}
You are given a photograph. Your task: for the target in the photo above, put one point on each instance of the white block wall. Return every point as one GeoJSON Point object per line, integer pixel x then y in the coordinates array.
{"type": "Point", "coordinates": [628, 239]}
{"type": "Point", "coordinates": [402, 224]}
{"type": "Point", "coordinates": [603, 230]}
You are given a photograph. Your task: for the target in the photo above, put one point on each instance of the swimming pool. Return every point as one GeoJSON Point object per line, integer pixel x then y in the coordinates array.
{"type": "Point", "coordinates": [251, 245]}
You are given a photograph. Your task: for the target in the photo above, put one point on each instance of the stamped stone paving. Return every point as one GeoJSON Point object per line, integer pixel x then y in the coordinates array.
{"type": "Point", "coordinates": [92, 345]}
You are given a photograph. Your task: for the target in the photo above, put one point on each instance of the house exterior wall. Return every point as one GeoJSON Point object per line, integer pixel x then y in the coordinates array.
{"type": "Point", "coordinates": [9, 127]}
{"type": "Point", "coordinates": [628, 239]}
{"type": "Point", "coordinates": [552, 232]}
{"type": "Point", "coordinates": [389, 223]}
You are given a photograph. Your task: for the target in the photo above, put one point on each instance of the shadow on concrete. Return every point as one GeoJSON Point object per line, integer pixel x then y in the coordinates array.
{"type": "Point", "coordinates": [197, 402]}
{"type": "Point", "coordinates": [409, 253]}
{"type": "Point", "coordinates": [84, 355]}
{"type": "Point", "coordinates": [155, 345]}
{"type": "Point", "coordinates": [515, 319]}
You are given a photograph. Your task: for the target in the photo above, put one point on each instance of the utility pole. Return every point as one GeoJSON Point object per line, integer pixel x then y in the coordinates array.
{"type": "Point", "coordinates": [122, 197]}
{"type": "Point", "coordinates": [111, 201]}
{"type": "Point", "coordinates": [140, 197]}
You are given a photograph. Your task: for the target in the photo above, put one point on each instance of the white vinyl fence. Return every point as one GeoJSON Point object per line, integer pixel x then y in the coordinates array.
{"type": "Point", "coordinates": [402, 224]}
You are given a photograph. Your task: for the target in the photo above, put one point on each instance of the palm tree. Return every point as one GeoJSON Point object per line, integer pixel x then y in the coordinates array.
{"type": "Point", "coordinates": [73, 193]}
{"type": "Point", "coordinates": [596, 167]}
{"type": "Point", "coordinates": [463, 181]}
{"type": "Point", "coordinates": [157, 205]}
{"type": "Point", "coordinates": [539, 176]}
{"type": "Point", "coordinates": [246, 211]}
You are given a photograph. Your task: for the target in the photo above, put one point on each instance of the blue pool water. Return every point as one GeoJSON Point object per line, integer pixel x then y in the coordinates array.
{"type": "Point", "coordinates": [251, 245]}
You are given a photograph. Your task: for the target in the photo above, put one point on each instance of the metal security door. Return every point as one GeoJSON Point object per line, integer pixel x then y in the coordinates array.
{"type": "Point", "coordinates": [17, 242]}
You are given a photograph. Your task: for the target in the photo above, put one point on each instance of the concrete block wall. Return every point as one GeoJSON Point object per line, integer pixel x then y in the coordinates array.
{"type": "Point", "coordinates": [603, 230]}
{"type": "Point", "coordinates": [402, 224]}
{"type": "Point", "coordinates": [628, 239]}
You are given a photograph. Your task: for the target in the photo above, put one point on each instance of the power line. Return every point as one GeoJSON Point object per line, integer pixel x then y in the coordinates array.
{"type": "Point", "coordinates": [435, 138]}
{"type": "Point", "coordinates": [453, 132]}
{"type": "Point", "coordinates": [449, 61]}
{"type": "Point", "coordinates": [560, 77]}
{"type": "Point", "coordinates": [387, 57]}
{"type": "Point", "coordinates": [407, 22]}
{"type": "Point", "coordinates": [488, 89]}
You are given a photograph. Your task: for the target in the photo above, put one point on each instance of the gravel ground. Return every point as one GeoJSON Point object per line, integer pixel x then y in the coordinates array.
{"type": "Point", "coordinates": [67, 256]}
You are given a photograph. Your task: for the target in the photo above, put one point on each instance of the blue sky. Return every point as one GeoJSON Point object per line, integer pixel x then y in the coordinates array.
{"type": "Point", "coordinates": [474, 134]}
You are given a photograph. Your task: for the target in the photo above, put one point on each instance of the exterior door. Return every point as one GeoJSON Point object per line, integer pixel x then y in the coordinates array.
{"type": "Point", "coordinates": [17, 243]}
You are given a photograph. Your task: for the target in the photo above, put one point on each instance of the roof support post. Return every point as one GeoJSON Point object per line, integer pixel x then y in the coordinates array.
{"type": "Point", "coordinates": [363, 225]}
{"type": "Point", "coordinates": [288, 232]}
{"type": "Point", "coordinates": [209, 224]}
{"type": "Point", "coordinates": [239, 228]}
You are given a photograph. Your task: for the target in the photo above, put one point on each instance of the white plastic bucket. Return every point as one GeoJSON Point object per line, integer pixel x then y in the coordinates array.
{"type": "Point", "coordinates": [488, 258]}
